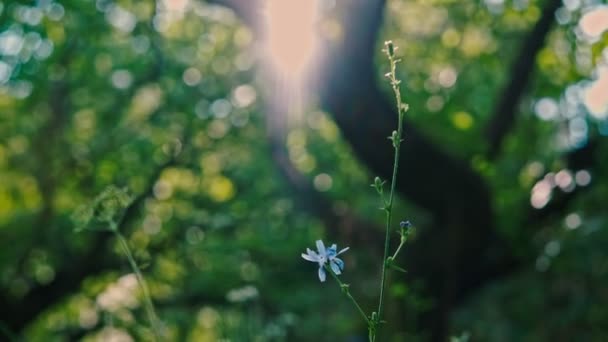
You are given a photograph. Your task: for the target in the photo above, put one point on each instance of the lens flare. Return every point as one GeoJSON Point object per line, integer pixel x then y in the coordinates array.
{"type": "Point", "coordinates": [290, 36]}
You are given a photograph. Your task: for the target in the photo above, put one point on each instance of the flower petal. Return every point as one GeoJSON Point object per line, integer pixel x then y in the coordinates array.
{"type": "Point", "coordinates": [343, 250]}
{"type": "Point", "coordinates": [310, 257]}
{"type": "Point", "coordinates": [335, 267]}
{"type": "Point", "coordinates": [331, 251]}
{"type": "Point", "coordinates": [321, 247]}
{"type": "Point", "coordinates": [321, 274]}
{"type": "Point", "coordinates": [339, 263]}
{"type": "Point", "coordinates": [312, 253]}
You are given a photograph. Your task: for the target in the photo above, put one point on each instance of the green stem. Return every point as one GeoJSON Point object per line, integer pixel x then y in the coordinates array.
{"type": "Point", "coordinates": [397, 145]}
{"type": "Point", "coordinates": [346, 291]}
{"type": "Point", "coordinates": [398, 249]}
{"type": "Point", "coordinates": [148, 305]}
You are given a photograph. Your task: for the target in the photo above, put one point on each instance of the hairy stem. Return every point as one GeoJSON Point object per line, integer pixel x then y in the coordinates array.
{"type": "Point", "coordinates": [148, 305]}
{"type": "Point", "coordinates": [345, 289]}
{"type": "Point", "coordinates": [396, 139]}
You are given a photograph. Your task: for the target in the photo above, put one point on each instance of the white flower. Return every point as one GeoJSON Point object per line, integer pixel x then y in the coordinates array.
{"type": "Point", "coordinates": [323, 255]}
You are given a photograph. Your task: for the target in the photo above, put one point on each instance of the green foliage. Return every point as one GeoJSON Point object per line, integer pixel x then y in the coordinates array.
{"type": "Point", "coordinates": [104, 212]}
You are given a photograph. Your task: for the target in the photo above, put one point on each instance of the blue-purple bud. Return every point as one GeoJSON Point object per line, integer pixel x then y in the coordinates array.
{"type": "Point", "coordinates": [405, 224]}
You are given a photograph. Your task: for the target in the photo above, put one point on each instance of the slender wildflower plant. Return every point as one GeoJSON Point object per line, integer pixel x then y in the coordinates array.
{"type": "Point", "coordinates": [106, 213]}
{"type": "Point", "coordinates": [327, 257]}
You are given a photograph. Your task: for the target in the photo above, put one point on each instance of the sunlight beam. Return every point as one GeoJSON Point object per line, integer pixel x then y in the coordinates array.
{"type": "Point", "coordinates": [290, 42]}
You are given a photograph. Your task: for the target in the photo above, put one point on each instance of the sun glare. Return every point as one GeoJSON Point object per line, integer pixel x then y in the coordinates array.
{"type": "Point", "coordinates": [290, 36]}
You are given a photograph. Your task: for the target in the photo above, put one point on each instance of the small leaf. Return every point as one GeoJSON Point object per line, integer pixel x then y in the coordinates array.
{"type": "Point", "coordinates": [378, 184]}
{"type": "Point", "coordinates": [397, 268]}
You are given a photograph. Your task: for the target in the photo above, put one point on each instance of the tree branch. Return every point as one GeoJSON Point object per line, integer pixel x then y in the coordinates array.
{"type": "Point", "coordinates": [347, 226]}
{"type": "Point", "coordinates": [522, 69]}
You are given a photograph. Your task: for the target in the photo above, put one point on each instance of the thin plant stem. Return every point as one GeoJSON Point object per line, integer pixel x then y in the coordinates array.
{"type": "Point", "coordinates": [398, 249]}
{"type": "Point", "coordinates": [148, 305]}
{"type": "Point", "coordinates": [396, 139]}
{"type": "Point", "coordinates": [375, 319]}
{"type": "Point", "coordinates": [345, 289]}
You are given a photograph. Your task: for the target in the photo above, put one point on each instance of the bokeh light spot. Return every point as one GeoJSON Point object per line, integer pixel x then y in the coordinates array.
{"type": "Point", "coordinates": [462, 120]}
{"type": "Point", "coordinates": [323, 182]}
{"type": "Point", "coordinates": [573, 221]}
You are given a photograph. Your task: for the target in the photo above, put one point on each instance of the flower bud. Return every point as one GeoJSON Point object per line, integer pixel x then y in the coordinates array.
{"type": "Point", "coordinates": [390, 48]}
